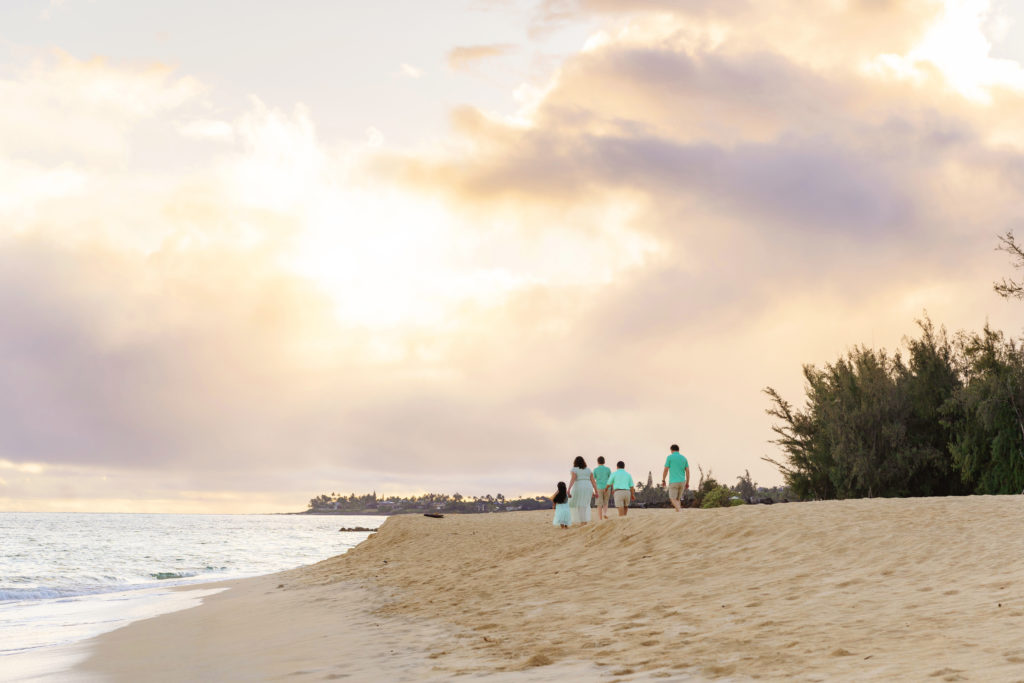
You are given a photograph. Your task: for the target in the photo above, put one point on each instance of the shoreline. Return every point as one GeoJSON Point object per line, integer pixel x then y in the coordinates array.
{"type": "Point", "coordinates": [97, 573]}
{"type": "Point", "coordinates": [339, 631]}
{"type": "Point", "coordinates": [880, 588]}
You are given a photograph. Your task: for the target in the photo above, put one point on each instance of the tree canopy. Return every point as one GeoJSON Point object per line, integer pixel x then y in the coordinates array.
{"type": "Point", "coordinates": [947, 419]}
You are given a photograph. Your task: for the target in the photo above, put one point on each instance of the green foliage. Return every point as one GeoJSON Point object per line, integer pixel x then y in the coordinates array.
{"type": "Point", "coordinates": [716, 497]}
{"type": "Point", "coordinates": [945, 421]}
{"type": "Point", "coordinates": [988, 445]}
{"type": "Point", "coordinates": [705, 485]}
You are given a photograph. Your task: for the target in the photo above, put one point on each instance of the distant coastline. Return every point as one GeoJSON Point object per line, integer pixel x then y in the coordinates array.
{"type": "Point", "coordinates": [403, 511]}
{"type": "Point", "coordinates": [372, 504]}
{"type": "Point", "coordinates": [344, 513]}
{"type": "Point", "coordinates": [707, 492]}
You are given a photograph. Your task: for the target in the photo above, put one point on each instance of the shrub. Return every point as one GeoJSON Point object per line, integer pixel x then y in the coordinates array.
{"type": "Point", "coordinates": [716, 498]}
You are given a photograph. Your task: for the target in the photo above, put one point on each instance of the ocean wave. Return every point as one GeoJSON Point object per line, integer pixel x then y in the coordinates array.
{"type": "Point", "coordinates": [163, 576]}
{"type": "Point", "coordinates": [99, 585]}
{"type": "Point", "coordinates": [71, 556]}
{"type": "Point", "coordinates": [36, 593]}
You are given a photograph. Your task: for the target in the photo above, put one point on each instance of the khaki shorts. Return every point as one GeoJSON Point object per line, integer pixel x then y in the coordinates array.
{"type": "Point", "coordinates": [675, 490]}
{"type": "Point", "coordinates": [602, 498]}
{"type": "Point", "coordinates": [622, 498]}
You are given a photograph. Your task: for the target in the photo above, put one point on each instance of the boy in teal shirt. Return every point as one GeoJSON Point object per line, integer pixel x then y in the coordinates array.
{"type": "Point", "coordinates": [621, 484]}
{"type": "Point", "coordinates": [677, 469]}
{"type": "Point", "coordinates": [601, 476]}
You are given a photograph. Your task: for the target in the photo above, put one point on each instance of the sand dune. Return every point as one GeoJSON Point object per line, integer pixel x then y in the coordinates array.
{"type": "Point", "coordinates": [869, 589]}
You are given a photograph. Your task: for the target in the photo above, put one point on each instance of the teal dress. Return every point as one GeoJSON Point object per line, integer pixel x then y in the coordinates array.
{"type": "Point", "coordinates": [562, 514]}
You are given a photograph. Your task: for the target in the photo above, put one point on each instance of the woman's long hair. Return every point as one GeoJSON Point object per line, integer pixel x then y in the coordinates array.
{"type": "Point", "coordinates": [579, 462]}
{"type": "Point", "coordinates": [562, 496]}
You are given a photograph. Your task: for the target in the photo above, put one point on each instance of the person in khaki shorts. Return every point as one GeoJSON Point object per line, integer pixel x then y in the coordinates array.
{"type": "Point", "coordinates": [677, 469]}
{"type": "Point", "coordinates": [621, 484]}
{"type": "Point", "coordinates": [601, 476]}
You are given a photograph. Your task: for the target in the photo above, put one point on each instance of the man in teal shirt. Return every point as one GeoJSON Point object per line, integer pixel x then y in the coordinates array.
{"type": "Point", "coordinates": [678, 472]}
{"type": "Point", "coordinates": [621, 484]}
{"type": "Point", "coordinates": [601, 476]}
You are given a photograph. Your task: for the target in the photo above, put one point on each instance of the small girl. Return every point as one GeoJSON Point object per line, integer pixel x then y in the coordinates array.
{"type": "Point", "coordinates": [560, 504]}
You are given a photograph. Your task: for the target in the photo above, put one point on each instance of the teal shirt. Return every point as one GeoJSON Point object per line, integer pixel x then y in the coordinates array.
{"type": "Point", "coordinates": [676, 464]}
{"type": "Point", "coordinates": [601, 474]}
{"type": "Point", "coordinates": [620, 479]}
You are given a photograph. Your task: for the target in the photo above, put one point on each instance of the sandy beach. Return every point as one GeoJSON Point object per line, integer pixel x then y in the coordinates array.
{"type": "Point", "coordinates": [918, 589]}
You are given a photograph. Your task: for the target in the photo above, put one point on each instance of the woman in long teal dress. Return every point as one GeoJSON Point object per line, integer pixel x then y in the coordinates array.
{"type": "Point", "coordinates": [583, 488]}
{"type": "Point", "coordinates": [560, 503]}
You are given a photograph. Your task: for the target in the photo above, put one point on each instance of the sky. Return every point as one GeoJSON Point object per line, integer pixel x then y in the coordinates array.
{"type": "Point", "coordinates": [254, 252]}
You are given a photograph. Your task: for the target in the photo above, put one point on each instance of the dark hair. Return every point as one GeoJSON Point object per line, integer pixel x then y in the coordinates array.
{"type": "Point", "coordinates": [561, 496]}
{"type": "Point", "coordinates": [674, 448]}
{"type": "Point", "coordinates": [621, 465]}
{"type": "Point", "coordinates": [600, 460]}
{"type": "Point", "coordinates": [579, 462]}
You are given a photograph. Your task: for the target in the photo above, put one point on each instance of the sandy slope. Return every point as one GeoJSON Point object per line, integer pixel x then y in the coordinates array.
{"type": "Point", "coordinates": [929, 589]}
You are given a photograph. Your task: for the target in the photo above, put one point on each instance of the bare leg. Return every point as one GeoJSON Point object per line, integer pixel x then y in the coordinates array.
{"type": "Point", "coordinates": [675, 504]}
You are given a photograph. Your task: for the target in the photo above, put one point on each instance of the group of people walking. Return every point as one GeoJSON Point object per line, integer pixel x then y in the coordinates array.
{"type": "Point", "coordinates": [572, 503]}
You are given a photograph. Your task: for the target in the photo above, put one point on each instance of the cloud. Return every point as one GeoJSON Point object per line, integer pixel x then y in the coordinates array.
{"type": "Point", "coordinates": [465, 56]}
{"type": "Point", "coordinates": [28, 186]}
{"type": "Point", "coordinates": [704, 198]}
{"type": "Point", "coordinates": [775, 183]}
{"type": "Point", "coordinates": [63, 108]}
{"type": "Point", "coordinates": [411, 71]}
{"type": "Point", "coordinates": [825, 33]}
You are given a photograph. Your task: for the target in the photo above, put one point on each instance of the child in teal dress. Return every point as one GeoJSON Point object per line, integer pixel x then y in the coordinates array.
{"type": "Point", "coordinates": [560, 503]}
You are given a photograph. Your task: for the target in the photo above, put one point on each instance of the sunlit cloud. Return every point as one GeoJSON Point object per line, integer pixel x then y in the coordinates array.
{"type": "Point", "coordinates": [374, 138]}
{"type": "Point", "coordinates": [465, 56]}
{"type": "Point", "coordinates": [24, 468]}
{"type": "Point", "coordinates": [223, 307]}
{"type": "Point", "coordinates": [411, 71]}
{"type": "Point", "coordinates": [958, 47]}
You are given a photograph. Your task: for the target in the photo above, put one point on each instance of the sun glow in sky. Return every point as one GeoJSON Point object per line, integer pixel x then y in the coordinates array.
{"type": "Point", "coordinates": [959, 45]}
{"type": "Point", "coordinates": [247, 257]}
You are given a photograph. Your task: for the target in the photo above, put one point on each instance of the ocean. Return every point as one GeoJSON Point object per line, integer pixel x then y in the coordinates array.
{"type": "Point", "coordinates": [66, 577]}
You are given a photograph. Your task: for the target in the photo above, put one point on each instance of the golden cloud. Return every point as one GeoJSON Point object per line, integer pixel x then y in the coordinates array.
{"type": "Point", "coordinates": [465, 56]}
